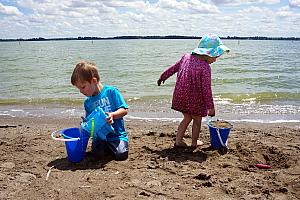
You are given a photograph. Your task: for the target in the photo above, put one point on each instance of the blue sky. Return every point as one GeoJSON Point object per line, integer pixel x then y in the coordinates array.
{"type": "Point", "coordinates": [106, 18]}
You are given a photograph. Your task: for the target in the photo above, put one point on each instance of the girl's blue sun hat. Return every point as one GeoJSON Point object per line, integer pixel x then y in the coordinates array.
{"type": "Point", "coordinates": [210, 45]}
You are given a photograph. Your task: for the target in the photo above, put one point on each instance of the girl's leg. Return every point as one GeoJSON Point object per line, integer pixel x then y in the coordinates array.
{"type": "Point", "coordinates": [182, 128]}
{"type": "Point", "coordinates": [196, 130]}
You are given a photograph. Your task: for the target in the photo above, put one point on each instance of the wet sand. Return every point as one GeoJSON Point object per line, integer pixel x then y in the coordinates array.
{"type": "Point", "coordinates": [33, 166]}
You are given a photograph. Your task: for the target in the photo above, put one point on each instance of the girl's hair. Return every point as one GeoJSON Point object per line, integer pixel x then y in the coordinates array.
{"type": "Point", "coordinates": [84, 72]}
{"type": "Point", "coordinates": [202, 57]}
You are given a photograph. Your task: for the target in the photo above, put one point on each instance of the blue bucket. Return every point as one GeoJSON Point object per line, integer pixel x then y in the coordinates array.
{"type": "Point", "coordinates": [96, 124]}
{"type": "Point", "coordinates": [75, 148]}
{"type": "Point", "coordinates": [219, 135]}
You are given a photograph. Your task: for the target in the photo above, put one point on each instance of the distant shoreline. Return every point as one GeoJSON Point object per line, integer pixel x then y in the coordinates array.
{"type": "Point", "coordinates": [149, 37]}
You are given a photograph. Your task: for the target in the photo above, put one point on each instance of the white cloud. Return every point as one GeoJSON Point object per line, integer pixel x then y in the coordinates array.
{"type": "Point", "coordinates": [284, 12]}
{"type": "Point", "coordinates": [256, 10]}
{"type": "Point", "coordinates": [126, 4]}
{"type": "Point", "coordinates": [140, 18]}
{"type": "Point", "coordinates": [9, 10]}
{"type": "Point", "coordinates": [188, 6]}
{"type": "Point", "coordinates": [245, 2]}
{"type": "Point", "coordinates": [106, 18]}
{"type": "Point", "coordinates": [294, 3]}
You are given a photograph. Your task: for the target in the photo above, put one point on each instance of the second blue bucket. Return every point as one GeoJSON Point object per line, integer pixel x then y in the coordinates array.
{"type": "Point", "coordinates": [75, 149]}
{"type": "Point", "coordinates": [218, 136]}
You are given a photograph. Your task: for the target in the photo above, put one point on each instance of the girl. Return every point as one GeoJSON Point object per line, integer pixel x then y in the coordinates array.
{"type": "Point", "coordinates": [192, 95]}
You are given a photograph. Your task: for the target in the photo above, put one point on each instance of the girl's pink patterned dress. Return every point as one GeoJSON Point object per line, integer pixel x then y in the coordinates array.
{"type": "Point", "coordinates": [192, 93]}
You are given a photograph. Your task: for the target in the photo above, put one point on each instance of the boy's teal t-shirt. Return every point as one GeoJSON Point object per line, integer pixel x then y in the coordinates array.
{"type": "Point", "coordinates": [110, 100]}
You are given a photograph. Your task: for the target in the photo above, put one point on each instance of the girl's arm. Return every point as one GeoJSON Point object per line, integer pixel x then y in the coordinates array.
{"type": "Point", "coordinates": [169, 72]}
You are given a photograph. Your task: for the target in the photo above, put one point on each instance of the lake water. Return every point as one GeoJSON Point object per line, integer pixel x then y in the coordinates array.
{"type": "Point", "coordinates": [257, 81]}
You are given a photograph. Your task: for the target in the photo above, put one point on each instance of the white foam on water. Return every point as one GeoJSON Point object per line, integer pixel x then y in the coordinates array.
{"type": "Point", "coordinates": [16, 110]}
{"type": "Point", "coordinates": [222, 101]}
{"type": "Point", "coordinates": [70, 111]}
{"type": "Point", "coordinates": [250, 100]}
{"type": "Point", "coordinates": [130, 117]}
{"type": "Point", "coordinates": [170, 119]}
{"type": "Point", "coordinates": [266, 121]}
{"type": "Point", "coordinates": [4, 114]}
{"type": "Point", "coordinates": [262, 114]}
{"type": "Point", "coordinates": [134, 99]}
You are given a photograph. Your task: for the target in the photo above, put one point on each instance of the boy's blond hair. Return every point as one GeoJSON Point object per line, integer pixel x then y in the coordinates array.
{"type": "Point", "coordinates": [84, 72]}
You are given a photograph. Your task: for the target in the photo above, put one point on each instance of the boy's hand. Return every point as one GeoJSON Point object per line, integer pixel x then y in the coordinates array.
{"type": "Point", "coordinates": [110, 118]}
{"type": "Point", "coordinates": [159, 82]}
{"type": "Point", "coordinates": [211, 112]}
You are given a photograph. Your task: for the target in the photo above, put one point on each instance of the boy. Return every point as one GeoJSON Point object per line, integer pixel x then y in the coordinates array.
{"type": "Point", "coordinates": [86, 78]}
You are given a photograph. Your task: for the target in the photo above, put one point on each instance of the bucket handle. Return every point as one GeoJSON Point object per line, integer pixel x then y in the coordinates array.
{"type": "Point", "coordinates": [221, 141]}
{"type": "Point", "coordinates": [210, 119]}
{"type": "Point", "coordinates": [62, 139]}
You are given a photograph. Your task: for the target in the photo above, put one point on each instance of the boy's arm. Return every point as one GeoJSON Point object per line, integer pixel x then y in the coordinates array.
{"type": "Point", "coordinates": [119, 104]}
{"type": "Point", "coordinates": [121, 112]}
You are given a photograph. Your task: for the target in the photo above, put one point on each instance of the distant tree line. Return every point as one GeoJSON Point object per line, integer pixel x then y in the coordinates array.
{"type": "Point", "coordinates": [151, 37]}
{"type": "Point", "coordinates": [261, 38]}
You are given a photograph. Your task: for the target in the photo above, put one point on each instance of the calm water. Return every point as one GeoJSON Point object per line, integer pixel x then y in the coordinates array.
{"type": "Point", "coordinates": [258, 80]}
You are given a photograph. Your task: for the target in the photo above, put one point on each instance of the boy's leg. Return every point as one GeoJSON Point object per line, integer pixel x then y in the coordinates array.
{"type": "Point", "coordinates": [100, 149]}
{"type": "Point", "coordinates": [182, 128]}
{"type": "Point", "coordinates": [119, 148]}
{"type": "Point", "coordinates": [196, 130]}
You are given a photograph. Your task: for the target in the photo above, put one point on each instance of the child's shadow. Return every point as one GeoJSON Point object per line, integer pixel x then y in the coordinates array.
{"type": "Point", "coordinates": [88, 162]}
{"type": "Point", "coordinates": [184, 154]}
{"type": "Point", "coordinates": [180, 154]}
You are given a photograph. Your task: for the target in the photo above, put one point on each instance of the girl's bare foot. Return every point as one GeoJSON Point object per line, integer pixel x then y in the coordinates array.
{"type": "Point", "coordinates": [199, 143]}
{"type": "Point", "coordinates": [180, 144]}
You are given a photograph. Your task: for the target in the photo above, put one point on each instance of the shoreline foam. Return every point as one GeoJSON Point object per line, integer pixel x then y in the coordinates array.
{"type": "Point", "coordinates": [140, 113]}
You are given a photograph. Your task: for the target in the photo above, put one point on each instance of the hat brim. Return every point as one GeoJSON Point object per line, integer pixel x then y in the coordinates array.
{"type": "Point", "coordinates": [212, 52]}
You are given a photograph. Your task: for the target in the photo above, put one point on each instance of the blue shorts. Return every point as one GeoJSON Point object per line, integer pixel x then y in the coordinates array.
{"type": "Point", "coordinates": [119, 149]}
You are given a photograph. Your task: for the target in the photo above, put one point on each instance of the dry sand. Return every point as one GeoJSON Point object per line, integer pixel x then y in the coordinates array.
{"type": "Point", "coordinates": [154, 169]}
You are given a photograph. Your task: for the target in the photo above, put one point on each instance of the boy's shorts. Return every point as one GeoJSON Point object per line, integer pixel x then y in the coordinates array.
{"type": "Point", "coordinates": [119, 149]}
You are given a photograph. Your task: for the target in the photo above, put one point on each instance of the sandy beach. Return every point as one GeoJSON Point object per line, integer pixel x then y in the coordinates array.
{"type": "Point", "coordinates": [33, 166]}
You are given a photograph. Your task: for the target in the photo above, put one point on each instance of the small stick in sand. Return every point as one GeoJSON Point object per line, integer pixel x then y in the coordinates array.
{"type": "Point", "coordinates": [85, 186]}
{"type": "Point", "coordinates": [48, 173]}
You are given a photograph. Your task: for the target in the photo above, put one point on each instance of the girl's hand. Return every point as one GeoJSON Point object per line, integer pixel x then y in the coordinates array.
{"type": "Point", "coordinates": [159, 82]}
{"type": "Point", "coordinates": [110, 118]}
{"type": "Point", "coordinates": [211, 112]}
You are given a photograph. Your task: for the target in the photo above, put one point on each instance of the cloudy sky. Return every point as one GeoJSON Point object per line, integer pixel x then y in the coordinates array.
{"type": "Point", "coordinates": [106, 18]}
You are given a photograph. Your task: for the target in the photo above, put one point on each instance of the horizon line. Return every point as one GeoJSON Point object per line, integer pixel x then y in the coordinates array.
{"type": "Point", "coordinates": [148, 37]}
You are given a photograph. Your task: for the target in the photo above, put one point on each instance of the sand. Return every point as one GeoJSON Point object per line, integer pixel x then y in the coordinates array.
{"type": "Point", "coordinates": [33, 166]}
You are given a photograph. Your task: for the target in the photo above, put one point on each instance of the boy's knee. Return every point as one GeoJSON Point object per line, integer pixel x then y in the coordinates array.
{"type": "Point", "coordinates": [122, 156]}
{"type": "Point", "coordinates": [120, 149]}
